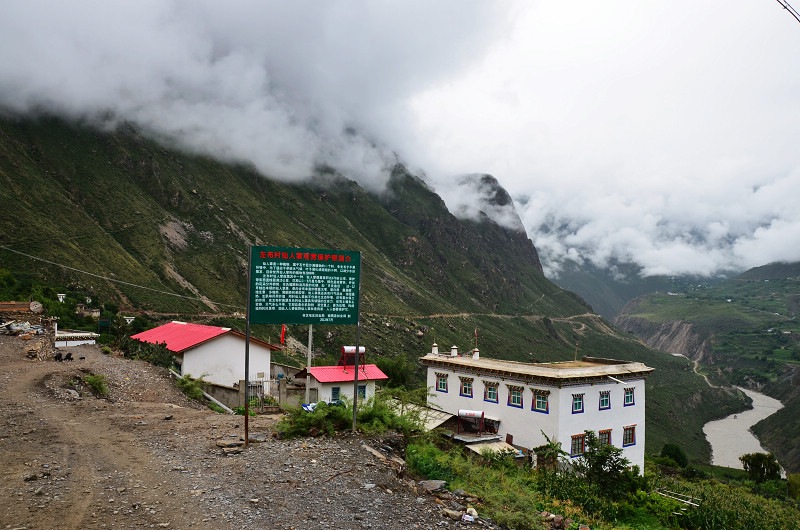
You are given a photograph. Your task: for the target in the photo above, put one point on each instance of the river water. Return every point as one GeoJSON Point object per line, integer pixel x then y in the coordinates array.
{"type": "Point", "coordinates": [730, 437]}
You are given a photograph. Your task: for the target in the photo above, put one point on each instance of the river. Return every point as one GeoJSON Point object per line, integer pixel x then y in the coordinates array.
{"type": "Point", "coordinates": [730, 437]}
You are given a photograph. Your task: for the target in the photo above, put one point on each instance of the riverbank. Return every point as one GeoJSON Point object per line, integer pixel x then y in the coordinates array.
{"type": "Point", "coordinates": [731, 437]}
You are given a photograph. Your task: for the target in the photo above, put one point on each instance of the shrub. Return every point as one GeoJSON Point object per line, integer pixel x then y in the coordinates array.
{"type": "Point", "coordinates": [156, 354]}
{"type": "Point", "coordinates": [97, 382]}
{"type": "Point", "coordinates": [794, 485]}
{"type": "Point", "coordinates": [240, 411]}
{"type": "Point", "coordinates": [106, 350]}
{"type": "Point", "coordinates": [193, 388]}
{"type": "Point", "coordinates": [374, 416]}
{"type": "Point", "coordinates": [677, 454]}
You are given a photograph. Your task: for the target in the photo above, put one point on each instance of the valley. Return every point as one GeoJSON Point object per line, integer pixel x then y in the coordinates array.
{"type": "Point", "coordinates": [107, 213]}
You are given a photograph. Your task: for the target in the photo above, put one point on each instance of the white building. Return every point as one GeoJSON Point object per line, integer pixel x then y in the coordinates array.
{"type": "Point", "coordinates": [215, 353]}
{"type": "Point", "coordinates": [332, 383]}
{"type": "Point", "coordinates": [562, 399]}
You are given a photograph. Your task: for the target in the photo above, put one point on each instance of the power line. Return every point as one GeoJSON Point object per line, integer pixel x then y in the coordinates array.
{"type": "Point", "coordinates": [115, 280]}
{"type": "Point", "coordinates": [790, 9]}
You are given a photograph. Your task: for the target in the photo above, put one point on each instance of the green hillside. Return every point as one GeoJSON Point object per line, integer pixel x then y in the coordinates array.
{"type": "Point", "coordinates": [131, 223]}
{"type": "Point", "coordinates": [751, 335]}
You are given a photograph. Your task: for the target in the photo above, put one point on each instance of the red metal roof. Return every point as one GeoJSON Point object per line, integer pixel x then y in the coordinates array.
{"type": "Point", "coordinates": [336, 374]}
{"type": "Point", "coordinates": [180, 336]}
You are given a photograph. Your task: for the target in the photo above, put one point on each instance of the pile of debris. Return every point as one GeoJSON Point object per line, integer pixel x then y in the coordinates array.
{"type": "Point", "coordinates": [456, 505]}
{"type": "Point", "coordinates": [24, 330]}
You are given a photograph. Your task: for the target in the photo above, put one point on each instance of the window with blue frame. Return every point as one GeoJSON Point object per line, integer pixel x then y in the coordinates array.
{"type": "Point", "coordinates": [335, 393]}
{"type": "Point", "coordinates": [577, 403]}
{"type": "Point", "coordinates": [605, 400]}
{"type": "Point", "coordinates": [541, 402]}
{"type": "Point", "coordinates": [515, 396]}
{"type": "Point", "coordinates": [362, 391]}
{"type": "Point", "coordinates": [629, 397]}
{"type": "Point", "coordinates": [466, 386]}
{"type": "Point", "coordinates": [441, 382]}
{"type": "Point", "coordinates": [490, 391]}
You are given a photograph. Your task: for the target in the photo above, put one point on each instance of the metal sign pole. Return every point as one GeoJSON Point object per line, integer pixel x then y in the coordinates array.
{"type": "Point", "coordinates": [358, 347]}
{"type": "Point", "coordinates": [247, 354]}
{"type": "Point", "coordinates": [308, 362]}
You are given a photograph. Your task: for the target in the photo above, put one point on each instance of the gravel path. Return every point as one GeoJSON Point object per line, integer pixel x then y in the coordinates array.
{"type": "Point", "coordinates": [146, 457]}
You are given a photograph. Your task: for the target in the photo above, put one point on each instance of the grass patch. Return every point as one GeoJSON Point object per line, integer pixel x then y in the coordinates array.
{"type": "Point", "coordinates": [97, 382]}
{"type": "Point", "coordinates": [374, 416]}
{"type": "Point", "coordinates": [193, 388]}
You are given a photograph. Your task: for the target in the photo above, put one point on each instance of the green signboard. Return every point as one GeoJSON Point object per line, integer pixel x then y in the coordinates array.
{"type": "Point", "coordinates": [304, 286]}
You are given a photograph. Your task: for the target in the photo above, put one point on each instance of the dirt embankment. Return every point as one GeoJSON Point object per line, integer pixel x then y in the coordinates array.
{"type": "Point", "coordinates": [147, 457]}
{"type": "Point", "coordinates": [673, 337]}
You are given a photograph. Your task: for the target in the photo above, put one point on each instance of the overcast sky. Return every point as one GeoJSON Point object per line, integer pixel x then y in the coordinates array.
{"type": "Point", "coordinates": [661, 133]}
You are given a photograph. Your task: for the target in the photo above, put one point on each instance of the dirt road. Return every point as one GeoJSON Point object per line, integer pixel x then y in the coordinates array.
{"type": "Point", "coordinates": [146, 457]}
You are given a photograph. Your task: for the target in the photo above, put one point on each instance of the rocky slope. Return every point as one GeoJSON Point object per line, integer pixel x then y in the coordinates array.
{"type": "Point", "coordinates": [674, 337]}
{"type": "Point", "coordinates": [147, 457]}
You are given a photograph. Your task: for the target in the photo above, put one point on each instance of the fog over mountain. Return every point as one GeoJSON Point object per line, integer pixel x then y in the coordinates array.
{"type": "Point", "coordinates": [650, 133]}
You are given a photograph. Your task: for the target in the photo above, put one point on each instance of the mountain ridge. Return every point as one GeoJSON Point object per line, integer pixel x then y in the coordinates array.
{"type": "Point", "coordinates": [121, 207]}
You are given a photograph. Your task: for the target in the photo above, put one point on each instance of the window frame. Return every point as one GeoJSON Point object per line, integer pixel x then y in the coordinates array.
{"type": "Point", "coordinates": [629, 392]}
{"type": "Point", "coordinates": [512, 390]}
{"type": "Point", "coordinates": [600, 435]}
{"type": "Point", "coordinates": [466, 382]}
{"type": "Point", "coordinates": [627, 440]}
{"type": "Point", "coordinates": [441, 378]}
{"type": "Point", "coordinates": [489, 386]}
{"type": "Point", "coordinates": [575, 398]}
{"type": "Point", "coordinates": [577, 438]}
{"type": "Point", "coordinates": [336, 393]}
{"type": "Point", "coordinates": [607, 395]}
{"type": "Point", "coordinates": [535, 403]}
{"type": "Point", "coordinates": [362, 391]}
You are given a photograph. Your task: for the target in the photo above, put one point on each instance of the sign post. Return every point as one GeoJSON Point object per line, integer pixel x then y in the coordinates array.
{"type": "Point", "coordinates": [302, 286]}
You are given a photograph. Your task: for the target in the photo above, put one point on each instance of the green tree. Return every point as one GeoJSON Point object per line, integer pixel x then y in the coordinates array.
{"type": "Point", "coordinates": [761, 466]}
{"type": "Point", "coordinates": [604, 466]}
{"type": "Point", "coordinates": [675, 452]}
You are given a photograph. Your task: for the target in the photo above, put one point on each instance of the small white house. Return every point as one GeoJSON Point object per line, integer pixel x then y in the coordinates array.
{"type": "Point", "coordinates": [68, 338]}
{"type": "Point", "coordinates": [562, 399]}
{"type": "Point", "coordinates": [216, 353]}
{"type": "Point", "coordinates": [331, 383]}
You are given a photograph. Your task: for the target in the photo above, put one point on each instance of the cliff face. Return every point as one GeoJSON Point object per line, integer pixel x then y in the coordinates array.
{"type": "Point", "coordinates": [672, 337]}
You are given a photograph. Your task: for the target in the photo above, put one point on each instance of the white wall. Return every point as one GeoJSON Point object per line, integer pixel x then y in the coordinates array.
{"type": "Point", "coordinates": [560, 424]}
{"type": "Point", "coordinates": [345, 389]}
{"type": "Point", "coordinates": [221, 360]}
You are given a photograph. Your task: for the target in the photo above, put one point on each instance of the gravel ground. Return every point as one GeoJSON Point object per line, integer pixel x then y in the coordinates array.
{"type": "Point", "coordinates": [148, 457]}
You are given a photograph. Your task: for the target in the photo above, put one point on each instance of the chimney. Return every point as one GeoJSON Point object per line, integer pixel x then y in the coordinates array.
{"type": "Point", "coordinates": [454, 351]}
{"type": "Point", "coordinates": [475, 354]}
{"type": "Point", "coordinates": [435, 349]}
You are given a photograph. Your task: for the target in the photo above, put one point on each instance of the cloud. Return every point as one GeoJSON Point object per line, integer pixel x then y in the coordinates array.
{"type": "Point", "coordinates": [285, 85]}
{"type": "Point", "coordinates": [652, 133]}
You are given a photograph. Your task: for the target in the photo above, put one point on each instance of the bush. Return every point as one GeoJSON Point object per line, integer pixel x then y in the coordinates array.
{"type": "Point", "coordinates": [97, 382]}
{"type": "Point", "coordinates": [193, 388]}
{"type": "Point", "coordinates": [106, 350]}
{"type": "Point", "coordinates": [677, 454]}
{"type": "Point", "coordinates": [156, 354]}
{"type": "Point", "coordinates": [374, 416]}
{"type": "Point", "coordinates": [794, 485]}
